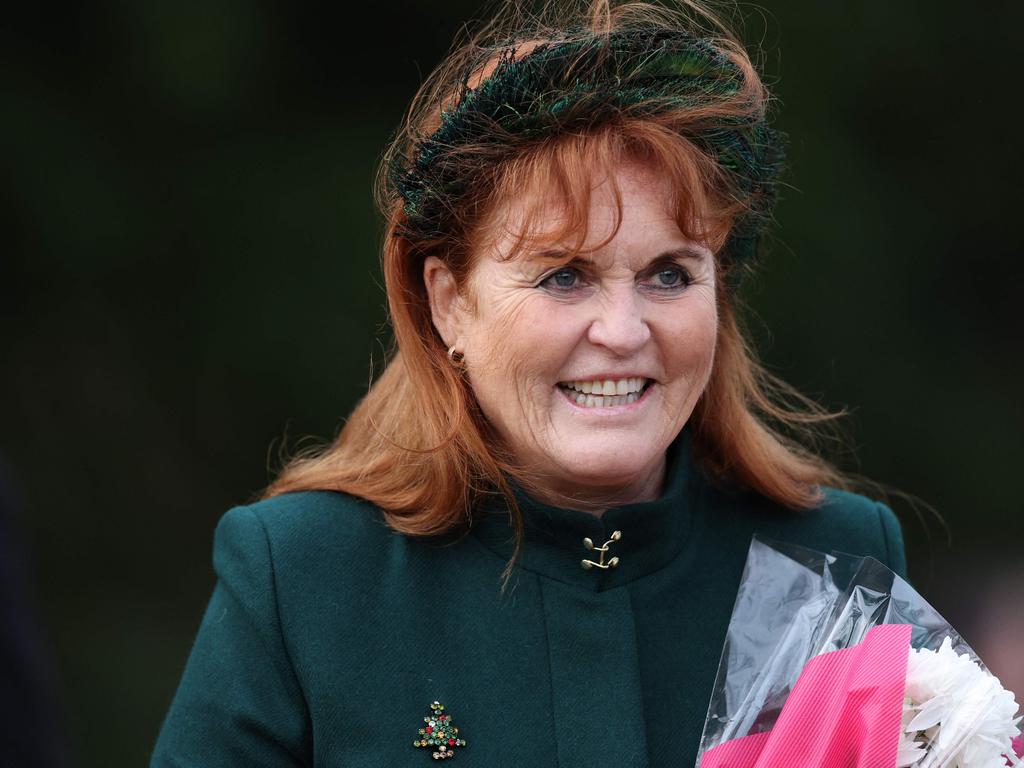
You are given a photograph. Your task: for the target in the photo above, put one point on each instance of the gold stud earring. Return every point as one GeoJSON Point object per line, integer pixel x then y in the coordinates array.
{"type": "Point", "coordinates": [455, 357]}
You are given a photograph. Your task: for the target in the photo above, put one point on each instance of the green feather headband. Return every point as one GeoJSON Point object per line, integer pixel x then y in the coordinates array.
{"type": "Point", "coordinates": [576, 83]}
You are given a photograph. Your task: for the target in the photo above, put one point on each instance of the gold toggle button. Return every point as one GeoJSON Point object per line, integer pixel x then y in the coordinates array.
{"type": "Point", "coordinates": [589, 544]}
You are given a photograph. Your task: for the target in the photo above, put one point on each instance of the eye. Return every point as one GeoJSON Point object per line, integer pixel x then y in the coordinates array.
{"type": "Point", "coordinates": [670, 278]}
{"type": "Point", "coordinates": [563, 280]}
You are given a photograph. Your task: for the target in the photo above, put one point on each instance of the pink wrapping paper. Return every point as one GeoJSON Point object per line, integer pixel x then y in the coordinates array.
{"type": "Point", "coordinates": [843, 712]}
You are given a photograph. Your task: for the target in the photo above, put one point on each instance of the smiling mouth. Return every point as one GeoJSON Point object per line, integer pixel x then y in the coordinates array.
{"type": "Point", "coordinates": [606, 393]}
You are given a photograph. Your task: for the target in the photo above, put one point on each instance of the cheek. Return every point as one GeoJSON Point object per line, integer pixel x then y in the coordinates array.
{"type": "Point", "coordinates": [691, 340]}
{"type": "Point", "coordinates": [518, 349]}
{"type": "Point", "coordinates": [525, 339]}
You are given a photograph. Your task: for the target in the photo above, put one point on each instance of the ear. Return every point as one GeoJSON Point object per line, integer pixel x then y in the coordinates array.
{"type": "Point", "coordinates": [446, 306]}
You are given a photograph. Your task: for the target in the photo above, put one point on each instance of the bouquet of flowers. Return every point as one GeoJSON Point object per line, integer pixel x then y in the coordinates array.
{"type": "Point", "coordinates": [834, 661]}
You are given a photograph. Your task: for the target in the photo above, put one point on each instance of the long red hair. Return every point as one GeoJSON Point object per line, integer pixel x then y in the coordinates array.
{"type": "Point", "coordinates": [417, 445]}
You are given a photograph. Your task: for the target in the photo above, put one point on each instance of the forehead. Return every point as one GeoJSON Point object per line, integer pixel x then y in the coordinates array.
{"type": "Point", "coordinates": [630, 206]}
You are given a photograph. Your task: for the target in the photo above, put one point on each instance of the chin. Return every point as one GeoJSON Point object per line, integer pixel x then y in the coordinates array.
{"type": "Point", "coordinates": [617, 465]}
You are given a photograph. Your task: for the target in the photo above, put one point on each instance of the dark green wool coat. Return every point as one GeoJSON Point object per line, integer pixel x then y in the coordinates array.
{"type": "Point", "coordinates": [328, 635]}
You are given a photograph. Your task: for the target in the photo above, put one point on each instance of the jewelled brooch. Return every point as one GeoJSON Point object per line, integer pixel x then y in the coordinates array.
{"type": "Point", "coordinates": [439, 733]}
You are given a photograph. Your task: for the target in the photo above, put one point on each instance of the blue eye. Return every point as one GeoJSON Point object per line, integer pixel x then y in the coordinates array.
{"type": "Point", "coordinates": [671, 278]}
{"type": "Point", "coordinates": [667, 279]}
{"type": "Point", "coordinates": [564, 279]}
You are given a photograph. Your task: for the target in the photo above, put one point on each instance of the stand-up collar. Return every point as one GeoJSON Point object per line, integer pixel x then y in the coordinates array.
{"type": "Point", "coordinates": [652, 532]}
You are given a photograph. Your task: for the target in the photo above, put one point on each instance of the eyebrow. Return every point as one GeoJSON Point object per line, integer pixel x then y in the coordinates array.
{"type": "Point", "coordinates": [682, 252]}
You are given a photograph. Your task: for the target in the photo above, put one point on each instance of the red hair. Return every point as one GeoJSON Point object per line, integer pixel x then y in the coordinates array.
{"type": "Point", "coordinates": [418, 446]}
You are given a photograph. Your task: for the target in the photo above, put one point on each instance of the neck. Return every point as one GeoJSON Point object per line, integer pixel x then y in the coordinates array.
{"type": "Point", "coordinates": [597, 499]}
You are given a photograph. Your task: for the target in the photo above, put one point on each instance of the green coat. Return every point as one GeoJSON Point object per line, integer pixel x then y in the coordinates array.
{"type": "Point", "coordinates": [328, 635]}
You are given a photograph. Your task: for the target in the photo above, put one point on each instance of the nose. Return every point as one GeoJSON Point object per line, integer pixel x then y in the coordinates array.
{"type": "Point", "coordinates": [619, 324]}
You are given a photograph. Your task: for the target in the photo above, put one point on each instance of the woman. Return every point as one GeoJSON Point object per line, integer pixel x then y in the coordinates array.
{"type": "Point", "coordinates": [532, 527]}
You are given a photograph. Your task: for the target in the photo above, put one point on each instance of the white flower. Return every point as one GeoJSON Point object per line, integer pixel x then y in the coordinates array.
{"type": "Point", "coordinates": [962, 715]}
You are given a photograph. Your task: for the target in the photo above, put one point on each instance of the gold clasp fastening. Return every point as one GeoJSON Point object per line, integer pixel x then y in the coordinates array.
{"type": "Point", "coordinates": [589, 544]}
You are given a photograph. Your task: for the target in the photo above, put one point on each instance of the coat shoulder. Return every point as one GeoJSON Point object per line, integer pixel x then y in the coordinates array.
{"type": "Point", "coordinates": [305, 527]}
{"type": "Point", "coordinates": [868, 524]}
{"type": "Point", "coordinates": [842, 520]}
{"type": "Point", "coordinates": [847, 509]}
{"type": "Point", "coordinates": [305, 513]}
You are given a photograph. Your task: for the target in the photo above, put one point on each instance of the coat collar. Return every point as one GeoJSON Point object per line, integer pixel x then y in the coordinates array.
{"type": "Point", "coordinates": [653, 532]}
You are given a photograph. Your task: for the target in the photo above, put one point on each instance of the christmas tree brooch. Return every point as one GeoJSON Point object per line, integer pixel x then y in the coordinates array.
{"type": "Point", "coordinates": [439, 734]}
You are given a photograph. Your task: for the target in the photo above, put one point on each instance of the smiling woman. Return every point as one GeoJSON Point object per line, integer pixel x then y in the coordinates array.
{"type": "Point", "coordinates": [570, 409]}
{"type": "Point", "coordinates": [630, 332]}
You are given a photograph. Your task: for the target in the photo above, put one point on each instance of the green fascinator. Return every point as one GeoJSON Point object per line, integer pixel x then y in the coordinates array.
{"type": "Point", "coordinates": [577, 83]}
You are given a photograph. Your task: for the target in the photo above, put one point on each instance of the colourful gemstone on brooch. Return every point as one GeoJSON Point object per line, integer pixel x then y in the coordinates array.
{"type": "Point", "coordinates": [439, 733]}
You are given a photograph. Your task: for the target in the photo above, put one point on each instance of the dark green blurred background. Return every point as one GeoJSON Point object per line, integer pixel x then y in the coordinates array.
{"type": "Point", "coordinates": [190, 280]}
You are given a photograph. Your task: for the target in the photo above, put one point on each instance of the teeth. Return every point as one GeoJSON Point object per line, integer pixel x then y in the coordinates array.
{"type": "Point", "coordinates": [622, 392]}
{"type": "Point", "coordinates": [607, 387]}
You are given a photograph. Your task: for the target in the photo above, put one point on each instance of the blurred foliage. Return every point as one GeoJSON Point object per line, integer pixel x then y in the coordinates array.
{"type": "Point", "coordinates": [190, 283]}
